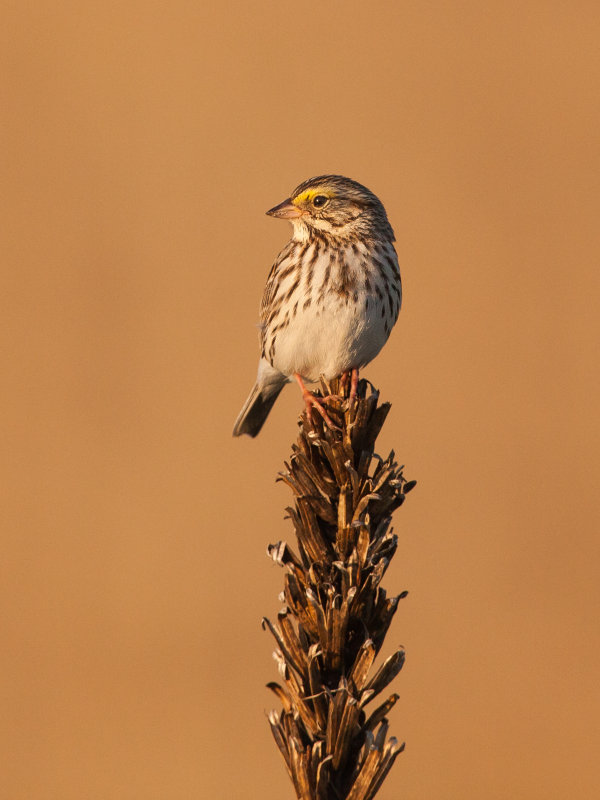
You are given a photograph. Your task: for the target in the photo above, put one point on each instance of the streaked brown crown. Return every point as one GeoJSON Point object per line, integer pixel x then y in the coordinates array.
{"type": "Point", "coordinates": [339, 206]}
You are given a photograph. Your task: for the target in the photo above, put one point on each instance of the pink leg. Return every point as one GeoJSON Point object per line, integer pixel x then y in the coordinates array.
{"type": "Point", "coordinates": [312, 402]}
{"type": "Point", "coordinates": [354, 385]}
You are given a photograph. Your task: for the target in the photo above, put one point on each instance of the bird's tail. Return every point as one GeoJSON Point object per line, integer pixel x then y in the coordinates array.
{"type": "Point", "coordinates": [256, 409]}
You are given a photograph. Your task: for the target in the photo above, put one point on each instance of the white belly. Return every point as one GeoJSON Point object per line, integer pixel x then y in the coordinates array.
{"type": "Point", "coordinates": [329, 341]}
{"type": "Point", "coordinates": [331, 320]}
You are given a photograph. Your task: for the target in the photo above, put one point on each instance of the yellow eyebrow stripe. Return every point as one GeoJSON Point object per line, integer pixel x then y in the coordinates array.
{"type": "Point", "coordinates": [307, 196]}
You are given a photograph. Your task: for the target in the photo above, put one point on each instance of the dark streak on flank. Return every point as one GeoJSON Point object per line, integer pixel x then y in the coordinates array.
{"type": "Point", "coordinates": [311, 266]}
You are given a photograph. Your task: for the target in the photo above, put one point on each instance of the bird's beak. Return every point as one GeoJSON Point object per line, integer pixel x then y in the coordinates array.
{"type": "Point", "coordinates": [285, 210]}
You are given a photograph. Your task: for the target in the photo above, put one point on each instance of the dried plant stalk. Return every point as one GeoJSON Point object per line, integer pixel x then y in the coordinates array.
{"type": "Point", "coordinates": [336, 614]}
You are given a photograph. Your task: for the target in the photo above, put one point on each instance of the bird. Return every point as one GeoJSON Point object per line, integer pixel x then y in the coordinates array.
{"type": "Point", "coordinates": [332, 296]}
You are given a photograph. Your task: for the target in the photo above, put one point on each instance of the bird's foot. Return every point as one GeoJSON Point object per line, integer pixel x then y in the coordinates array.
{"type": "Point", "coordinates": [344, 378]}
{"type": "Point", "coordinates": [354, 386]}
{"type": "Point", "coordinates": [313, 402]}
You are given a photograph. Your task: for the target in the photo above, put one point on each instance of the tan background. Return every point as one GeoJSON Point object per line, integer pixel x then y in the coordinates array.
{"type": "Point", "coordinates": [142, 143]}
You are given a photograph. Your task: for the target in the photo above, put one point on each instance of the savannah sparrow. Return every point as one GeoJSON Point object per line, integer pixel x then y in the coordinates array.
{"type": "Point", "coordinates": [332, 296]}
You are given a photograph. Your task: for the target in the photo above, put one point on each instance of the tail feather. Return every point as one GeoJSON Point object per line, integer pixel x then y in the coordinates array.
{"type": "Point", "coordinates": [259, 403]}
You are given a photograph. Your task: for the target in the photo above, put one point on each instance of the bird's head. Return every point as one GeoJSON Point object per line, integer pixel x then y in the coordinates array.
{"type": "Point", "coordinates": [336, 207]}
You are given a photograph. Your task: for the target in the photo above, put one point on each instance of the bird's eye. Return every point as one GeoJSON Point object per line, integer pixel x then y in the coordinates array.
{"type": "Point", "coordinates": [319, 201]}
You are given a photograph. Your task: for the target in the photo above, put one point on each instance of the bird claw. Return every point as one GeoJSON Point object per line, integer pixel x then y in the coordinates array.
{"type": "Point", "coordinates": [353, 388]}
{"type": "Point", "coordinates": [312, 402]}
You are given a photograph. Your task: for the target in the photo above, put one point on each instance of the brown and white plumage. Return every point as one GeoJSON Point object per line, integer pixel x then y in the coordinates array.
{"type": "Point", "coordinates": [333, 293]}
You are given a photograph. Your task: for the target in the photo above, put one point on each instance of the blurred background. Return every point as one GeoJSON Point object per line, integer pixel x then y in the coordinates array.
{"type": "Point", "coordinates": [142, 143]}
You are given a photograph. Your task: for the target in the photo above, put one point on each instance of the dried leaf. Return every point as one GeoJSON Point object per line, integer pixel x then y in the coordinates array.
{"type": "Point", "coordinates": [387, 672]}
{"type": "Point", "coordinates": [336, 613]}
